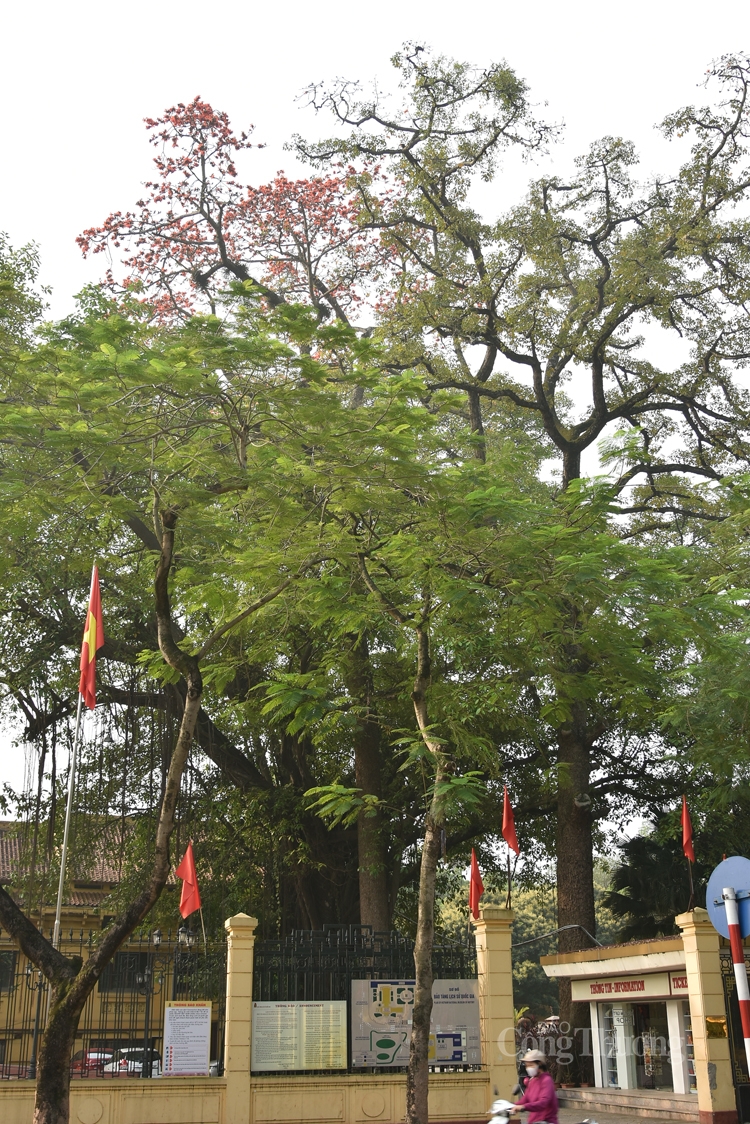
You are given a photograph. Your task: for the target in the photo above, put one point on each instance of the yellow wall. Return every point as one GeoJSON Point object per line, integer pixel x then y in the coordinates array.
{"type": "Point", "coordinates": [165, 1100]}
{"type": "Point", "coordinates": [351, 1099]}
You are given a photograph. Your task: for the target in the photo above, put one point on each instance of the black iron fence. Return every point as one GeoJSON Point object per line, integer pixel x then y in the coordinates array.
{"type": "Point", "coordinates": [121, 1029]}
{"type": "Point", "coordinates": [120, 1033]}
{"type": "Point", "coordinates": [320, 965]}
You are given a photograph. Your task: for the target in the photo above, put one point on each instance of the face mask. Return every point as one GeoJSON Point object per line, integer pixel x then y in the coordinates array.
{"type": "Point", "coordinates": [532, 1070]}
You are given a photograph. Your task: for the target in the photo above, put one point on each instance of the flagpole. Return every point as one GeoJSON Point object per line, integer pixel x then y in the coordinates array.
{"type": "Point", "coordinates": [691, 903]}
{"type": "Point", "coordinates": [66, 832]}
{"type": "Point", "coordinates": [507, 900]}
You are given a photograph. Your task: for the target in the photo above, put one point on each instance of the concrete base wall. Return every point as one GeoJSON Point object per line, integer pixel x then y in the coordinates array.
{"type": "Point", "coordinates": [164, 1100]}
{"type": "Point", "coordinates": [455, 1098]}
{"type": "Point", "coordinates": [355, 1099]}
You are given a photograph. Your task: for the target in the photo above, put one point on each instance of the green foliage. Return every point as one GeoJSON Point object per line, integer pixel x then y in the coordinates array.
{"type": "Point", "coordinates": [535, 915]}
{"type": "Point", "coordinates": [339, 804]}
{"type": "Point", "coordinates": [21, 303]}
{"type": "Point", "coordinates": [649, 882]}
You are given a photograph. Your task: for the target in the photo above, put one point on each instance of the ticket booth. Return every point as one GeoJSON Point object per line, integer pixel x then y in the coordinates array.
{"type": "Point", "coordinates": [640, 1014]}
{"type": "Point", "coordinates": [641, 1031]}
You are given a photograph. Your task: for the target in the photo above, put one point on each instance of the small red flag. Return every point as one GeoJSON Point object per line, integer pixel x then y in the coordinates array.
{"type": "Point", "coordinates": [687, 833]}
{"type": "Point", "coordinates": [190, 899]}
{"type": "Point", "coordinates": [93, 639]}
{"type": "Point", "coordinates": [476, 886]}
{"type": "Point", "coordinates": [509, 824]}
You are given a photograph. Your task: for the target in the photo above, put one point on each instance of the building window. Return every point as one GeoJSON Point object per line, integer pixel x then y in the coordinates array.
{"type": "Point", "coordinates": [7, 970]}
{"type": "Point", "coordinates": [122, 973]}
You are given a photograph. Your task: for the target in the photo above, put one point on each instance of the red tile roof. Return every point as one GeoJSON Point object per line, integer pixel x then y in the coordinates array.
{"type": "Point", "coordinates": [91, 882]}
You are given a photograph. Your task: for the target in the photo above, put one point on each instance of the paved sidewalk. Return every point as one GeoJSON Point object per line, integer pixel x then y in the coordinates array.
{"type": "Point", "coordinates": [574, 1115]}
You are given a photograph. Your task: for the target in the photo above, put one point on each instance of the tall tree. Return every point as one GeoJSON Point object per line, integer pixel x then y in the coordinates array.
{"type": "Point", "coordinates": [553, 310]}
{"type": "Point", "coordinates": [116, 418]}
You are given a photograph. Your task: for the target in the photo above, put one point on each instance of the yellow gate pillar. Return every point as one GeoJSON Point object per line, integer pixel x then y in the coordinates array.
{"type": "Point", "coordinates": [240, 947]}
{"type": "Point", "coordinates": [495, 971]}
{"type": "Point", "coordinates": [713, 1067]}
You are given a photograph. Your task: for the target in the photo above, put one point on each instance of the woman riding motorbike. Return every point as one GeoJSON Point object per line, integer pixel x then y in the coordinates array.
{"type": "Point", "coordinates": [539, 1098]}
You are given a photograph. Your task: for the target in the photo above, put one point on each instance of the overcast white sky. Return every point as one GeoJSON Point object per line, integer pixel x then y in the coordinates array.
{"type": "Point", "coordinates": [77, 79]}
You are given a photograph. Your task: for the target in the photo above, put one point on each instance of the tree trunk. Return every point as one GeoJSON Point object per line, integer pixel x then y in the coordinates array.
{"type": "Point", "coordinates": [417, 1077]}
{"type": "Point", "coordinates": [373, 879]}
{"type": "Point", "coordinates": [575, 876]}
{"type": "Point", "coordinates": [374, 907]}
{"type": "Point", "coordinates": [477, 425]}
{"type": "Point", "coordinates": [418, 1073]}
{"type": "Point", "coordinates": [52, 1101]}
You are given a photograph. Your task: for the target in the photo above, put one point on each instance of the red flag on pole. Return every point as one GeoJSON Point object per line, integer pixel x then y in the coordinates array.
{"type": "Point", "coordinates": [687, 833]}
{"type": "Point", "coordinates": [190, 899]}
{"type": "Point", "coordinates": [93, 639]}
{"type": "Point", "coordinates": [476, 886]}
{"type": "Point", "coordinates": [509, 824]}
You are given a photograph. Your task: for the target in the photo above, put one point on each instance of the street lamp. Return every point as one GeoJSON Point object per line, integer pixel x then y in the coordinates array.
{"type": "Point", "coordinates": [186, 937]}
{"type": "Point", "coordinates": [186, 940]}
{"type": "Point", "coordinates": [37, 986]}
{"type": "Point", "coordinates": [143, 980]}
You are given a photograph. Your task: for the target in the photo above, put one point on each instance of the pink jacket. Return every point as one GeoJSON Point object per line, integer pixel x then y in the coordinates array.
{"type": "Point", "coordinates": [540, 1099]}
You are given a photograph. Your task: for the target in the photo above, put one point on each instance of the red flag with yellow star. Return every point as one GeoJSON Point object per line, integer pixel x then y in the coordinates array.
{"type": "Point", "coordinates": [93, 639]}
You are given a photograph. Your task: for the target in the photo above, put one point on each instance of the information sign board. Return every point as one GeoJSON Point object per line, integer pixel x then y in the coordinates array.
{"type": "Point", "coordinates": [187, 1038]}
{"type": "Point", "coordinates": [300, 1035]}
{"type": "Point", "coordinates": [382, 1018]}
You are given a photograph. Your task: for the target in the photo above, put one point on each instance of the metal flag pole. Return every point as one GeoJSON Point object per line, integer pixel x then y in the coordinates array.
{"type": "Point", "coordinates": [691, 904]}
{"type": "Point", "coordinates": [66, 832]}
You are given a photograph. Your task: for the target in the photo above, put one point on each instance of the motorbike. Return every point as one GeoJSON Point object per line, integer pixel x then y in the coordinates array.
{"type": "Point", "coordinates": [502, 1110]}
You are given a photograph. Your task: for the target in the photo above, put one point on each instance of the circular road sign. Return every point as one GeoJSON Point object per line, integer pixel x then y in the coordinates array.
{"type": "Point", "coordinates": [734, 872]}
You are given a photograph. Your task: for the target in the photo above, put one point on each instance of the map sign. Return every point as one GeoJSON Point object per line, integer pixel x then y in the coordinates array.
{"type": "Point", "coordinates": [187, 1038]}
{"type": "Point", "coordinates": [382, 1017]}
{"type": "Point", "coordinates": [299, 1035]}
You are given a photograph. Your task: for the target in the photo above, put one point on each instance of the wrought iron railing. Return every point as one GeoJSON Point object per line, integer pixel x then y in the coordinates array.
{"type": "Point", "coordinates": [122, 1023]}
{"type": "Point", "coordinates": [320, 964]}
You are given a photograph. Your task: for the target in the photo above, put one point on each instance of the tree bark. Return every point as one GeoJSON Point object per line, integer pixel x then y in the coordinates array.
{"type": "Point", "coordinates": [417, 1076]}
{"type": "Point", "coordinates": [575, 875]}
{"type": "Point", "coordinates": [374, 908]}
{"type": "Point", "coordinates": [477, 425]}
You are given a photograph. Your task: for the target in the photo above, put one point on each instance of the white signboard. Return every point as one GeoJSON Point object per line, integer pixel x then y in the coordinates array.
{"type": "Point", "coordinates": [382, 1018]}
{"type": "Point", "coordinates": [625, 989]}
{"type": "Point", "coordinates": [292, 1036]}
{"type": "Point", "coordinates": [187, 1038]}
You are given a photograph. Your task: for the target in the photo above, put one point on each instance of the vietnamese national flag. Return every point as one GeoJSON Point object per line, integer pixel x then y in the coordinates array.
{"type": "Point", "coordinates": [476, 886]}
{"type": "Point", "coordinates": [509, 824]}
{"type": "Point", "coordinates": [93, 639]}
{"type": "Point", "coordinates": [687, 833]}
{"type": "Point", "coordinates": [190, 899]}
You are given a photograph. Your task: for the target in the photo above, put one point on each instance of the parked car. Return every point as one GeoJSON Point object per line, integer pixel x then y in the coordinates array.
{"type": "Point", "coordinates": [129, 1063]}
{"type": "Point", "coordinates": [90, 1063]}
